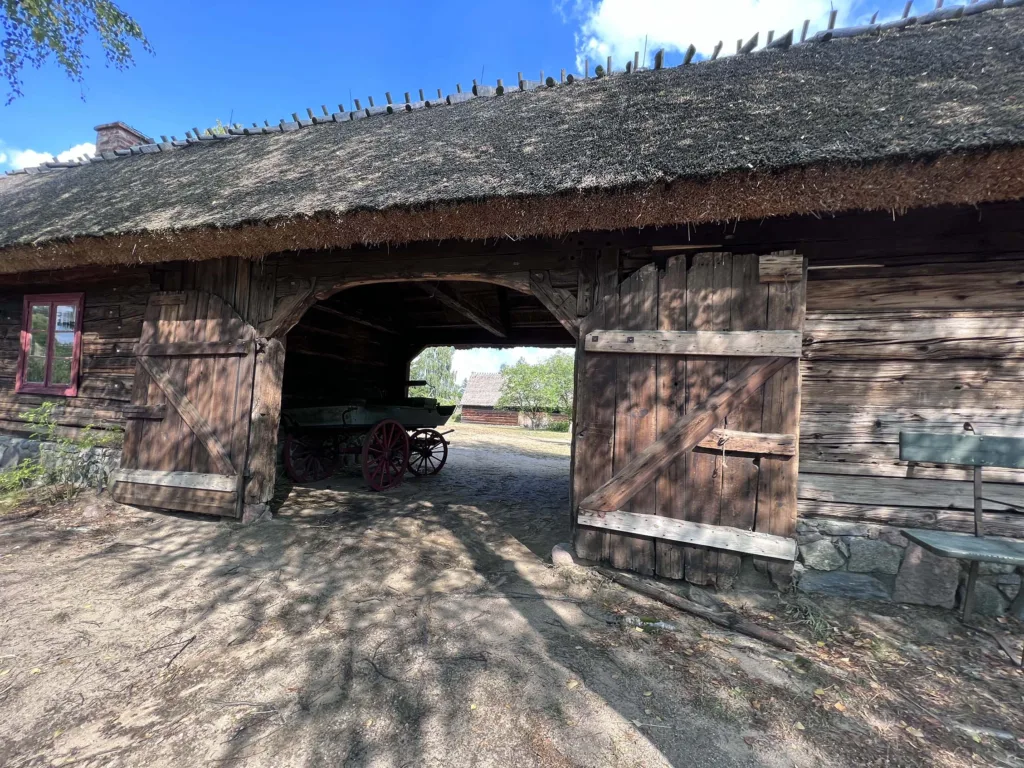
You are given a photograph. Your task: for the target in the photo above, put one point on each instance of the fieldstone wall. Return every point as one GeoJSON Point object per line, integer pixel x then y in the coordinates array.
{"type": "Point", "coordinates": [98, 466]}
{"type": "Point", "coordinates": [875, 562]}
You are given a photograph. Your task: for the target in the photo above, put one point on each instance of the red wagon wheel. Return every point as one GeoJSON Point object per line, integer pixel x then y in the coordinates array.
{"type": "Point", "coordinates": [428, 451]}
{"type": "Point", "coordinates": [308, 458]}
{"type": "Point", "coordinates": [385, 455]}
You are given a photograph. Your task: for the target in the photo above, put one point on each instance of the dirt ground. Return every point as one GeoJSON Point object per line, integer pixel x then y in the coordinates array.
{"type": "Point", "coordinates": [423, 627]}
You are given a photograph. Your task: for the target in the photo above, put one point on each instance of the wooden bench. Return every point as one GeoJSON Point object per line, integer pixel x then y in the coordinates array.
{"type": "Point", "coordinates": [975, 451]}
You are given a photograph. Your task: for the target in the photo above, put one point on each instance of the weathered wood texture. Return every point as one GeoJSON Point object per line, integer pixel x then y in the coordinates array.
{"type": "Point", "coordinates": [666, 405]}
{"type": "Point", "coordinates": [932, 346]}
{"type": "Point", "coordinates": [207, 399]}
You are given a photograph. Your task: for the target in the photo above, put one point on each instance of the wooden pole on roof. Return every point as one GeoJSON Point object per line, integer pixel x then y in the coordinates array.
{"type": "Point", "coordinates": [690, 53]}
{"type": "Point", "coordinates": [906, 8]}
{"type": "Point", "coordinates": [608, 70]}
{"type": "Point", "coordinates": [387, 95]}
{"type": "Point", "coordinates": [739, 45]}
{"type": "Point", "coordinates": [803, 32]}
{"type": "Point", "coordinates": [832, 18]}
{"type": "Point", "coordinates": [636, 60]}
{"type": "Point", "coordinates": [771, 36]}
{"type": "Point", "coordinates": [421, 95]}
{"type": "Point", "coordinates": [659, 59]}
{"type": "Point", "coordinates": [718, 50]}
{"type": "Point", "coordinates": [561, 77]}
{"type": "Point", "coordinates": [874, 17]}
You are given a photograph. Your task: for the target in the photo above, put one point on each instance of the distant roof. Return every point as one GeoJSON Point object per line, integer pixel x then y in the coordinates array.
{"type": "Point", "coordinates": [482, 389]}
{"type": "Point", "coordinates": [921, 111]}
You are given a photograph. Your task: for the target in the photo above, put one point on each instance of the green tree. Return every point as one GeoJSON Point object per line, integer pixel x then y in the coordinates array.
{"type": "Point", "coordinates": [34, 30]}
{"type": "Point", "coordinates": [537, 387]}
{"type": "Point", "coordinates": [434, 365]}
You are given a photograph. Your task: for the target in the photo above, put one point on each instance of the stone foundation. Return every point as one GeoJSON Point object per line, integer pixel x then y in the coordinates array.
{"type": "Point", "coordinates": [875, 562]}
{"type": "Point", "coordinates": [14, 450]}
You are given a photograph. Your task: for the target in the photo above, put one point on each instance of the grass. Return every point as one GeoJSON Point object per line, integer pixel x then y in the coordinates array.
{"type": "Point", "coordinates": [516, 439]}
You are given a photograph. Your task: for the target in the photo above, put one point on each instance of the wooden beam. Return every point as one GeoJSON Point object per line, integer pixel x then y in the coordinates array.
{"type": "Point", "coordinates": [198, 480]}
{"type": "Point", "coordinates": [354, 319]}
{"type": "Point", "coordinates": [560, 302]}
{"type": "Point", "coordinates": [195, 348]}
{"type": "Point", "coordinates": [190, 415]}
{"type": "Point", "coordinates": [682, 436]}
{"type": "Point", "coordinates": [697, 534]}
{"type": "Point", "coordinates": [146, 412]}
{"type": "Point", "coordinates": [704, 343]}
{"type": "Point", "coordinates": [452, 299]}
{"type": "Point", "coordinates": [289, 310]}
{"type": "Point", "coordinates": [781, 268]}
{"type": "Point", "coordinates": [735, 441]}
{"type": "Point", "coordinates": [264, 424]}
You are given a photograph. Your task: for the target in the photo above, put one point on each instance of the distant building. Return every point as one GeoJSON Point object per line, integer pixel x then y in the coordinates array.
{"type": "Point", "coordinates": [480, 404]}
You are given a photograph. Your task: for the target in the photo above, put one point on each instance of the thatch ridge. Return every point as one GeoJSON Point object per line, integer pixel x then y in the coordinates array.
{"type": "Point", "coordinates": [905, 119]}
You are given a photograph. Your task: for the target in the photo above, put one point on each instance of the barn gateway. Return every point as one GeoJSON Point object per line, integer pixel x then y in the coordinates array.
{"type": "Point", "coordinates": [770, 265]}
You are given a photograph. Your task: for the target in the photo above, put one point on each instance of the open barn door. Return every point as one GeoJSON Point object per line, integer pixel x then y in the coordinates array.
{"type": "Point", "coordinates": [188, 425]}
{"type": "Point", "coordinates": [687, 415]}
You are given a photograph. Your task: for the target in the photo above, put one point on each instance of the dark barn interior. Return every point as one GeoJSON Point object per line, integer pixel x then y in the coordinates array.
{"type": "Point", "coordinates": [359, 342]}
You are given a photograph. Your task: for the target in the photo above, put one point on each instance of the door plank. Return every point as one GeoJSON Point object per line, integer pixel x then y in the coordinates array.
{"type": "Point", "coordinates": [199, 426]}
{"type": "Point", "coordinates": [596, 428]}
{"type": "Point", "coordinates": [699, 534]}
{"type": "Point", "coordinates": [184, 499]}
{"type": "Point", "coordinates": [187, 348]}
{"type": "Point", "coordinates": [747, 343]}
{"type": "Point", "coordinates": [682, 436]}
{"type": "Point", "coordinates": [670, 485]}
{"type": "Point", "coordinates": [201, 481]}
{"type": "Point", "coordinates": [748, 312]}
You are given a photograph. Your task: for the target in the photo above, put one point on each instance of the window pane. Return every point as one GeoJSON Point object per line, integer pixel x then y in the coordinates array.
{"type": "Point", "coordinates": [60, 371]}
{"type": "Point", "coordinates": [66, 317]}
{"type": "Point", "coordinates": [63, 344]}
{"type": "Point", "coordinates": [40, 317]}
{"type": "Point", "coordinates": [39, 343]}
{"type": "Point", "coordinates": [36, 370]}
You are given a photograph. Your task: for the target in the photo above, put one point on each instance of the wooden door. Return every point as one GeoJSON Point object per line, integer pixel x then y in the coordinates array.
{"type": "Point", "coordinates": [188, 425]}
{"type": "Point", "coordinates": [687, 415]}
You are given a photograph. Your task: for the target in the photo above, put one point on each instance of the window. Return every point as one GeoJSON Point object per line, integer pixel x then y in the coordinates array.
{"type": "Point", "coordinates": [51, 344]}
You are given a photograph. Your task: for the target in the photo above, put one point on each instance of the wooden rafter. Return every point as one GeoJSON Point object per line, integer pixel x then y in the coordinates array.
{"type": "Point", "coordinates": [560, 302]}
{"type": "Point", "coordinates": [451, 298]}
{"type": "Point", "coordinates": [682, 436]}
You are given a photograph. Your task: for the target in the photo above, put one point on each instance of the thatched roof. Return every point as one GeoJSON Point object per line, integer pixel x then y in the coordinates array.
{"type": "Point", "coordinates": [888, 118]}
{"type": "Point", "coordinates": [482, 389]}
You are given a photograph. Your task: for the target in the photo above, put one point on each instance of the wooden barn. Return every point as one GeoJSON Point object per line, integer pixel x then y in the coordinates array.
{"type": "Point", "coordinates": [480, 401]}
{"type": "Point", "coordinates": [770, 265]}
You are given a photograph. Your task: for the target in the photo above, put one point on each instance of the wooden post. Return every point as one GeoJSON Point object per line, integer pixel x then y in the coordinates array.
{"type": "Point", "coordinates": [972, 579]}
{"type": "Point", "coordinates": [261, 467]}
{"type": "Point", "coordinates": [979, 528]}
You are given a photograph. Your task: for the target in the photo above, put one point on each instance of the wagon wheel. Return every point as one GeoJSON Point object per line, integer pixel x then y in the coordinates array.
{"type": "Point", "coordinates": [308, 458]}
{"type": "Point", "coordinates": [385, 455]}
{"type": "Point", "coordinates": [428, 451]}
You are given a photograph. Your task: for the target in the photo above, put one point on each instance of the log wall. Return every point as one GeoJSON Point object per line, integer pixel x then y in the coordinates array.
{"type": "Point", "coordinates": [481, 415]}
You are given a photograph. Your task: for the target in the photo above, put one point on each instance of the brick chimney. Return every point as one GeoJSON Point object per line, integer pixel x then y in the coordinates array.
{"type": "Point", "coordinates": [111, 136]}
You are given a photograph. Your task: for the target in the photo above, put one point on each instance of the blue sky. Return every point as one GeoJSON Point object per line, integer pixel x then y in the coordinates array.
{"type": "Point", "coordinates": [257, 60]}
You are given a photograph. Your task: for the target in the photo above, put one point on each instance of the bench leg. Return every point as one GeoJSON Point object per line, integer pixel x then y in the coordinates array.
{"type": "Point", "coordinates": [972, 578]}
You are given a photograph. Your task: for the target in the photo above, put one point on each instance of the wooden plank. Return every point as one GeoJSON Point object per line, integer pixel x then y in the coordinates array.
{"type": "Point", "coordinates": [909, 492]}
{"type": "Point", "coordinates": [195, 348]}
{"type": "Point", "coordinates": [967, 547]}
{"type": "Point", "coordinates": [748, 311]}
{"type": "Point", "coordinates": [709, 294]}
{"type": "Point", "coordinates": [914, 335]}
{"type": "Point", "coordinates": [197, 480]}
{"type": "Point", "coordinates": [682, 436]}
{"type": "Point", "coordinates": [965, 449]}
{"type": "Point", "coordinates": [266, 421]}
{"type": "Point", "coordinates": [184, 499]}
{"type": "Point", "coordinates": [777, 476]}
{"type": "Point", "coordinates": [705, 343]}
{"type": "Point", "coordinates": [892, 467]}
{"type": "Point", "coordinates": [451, 298]}
{"type": "Point", "coordinates": [167, 299]}
{"type": "Point", "coordinates": [780, 268]}
{"type": "Point", "coordinates": [697, 534]}
{"type": "Point", "coordinates": [996, 523]}
{"type": "Point", "coordinates": [560, 302]}
{"type": "Point", "coordinates": [757, 443]}
{"type": "Point", "coordinates": [595, 429]}
{"type": "Point", "coordinates": [991, 290]}
{"type": "Point", "coordinates": [152, 412]}
{"type": "Point", "coordinates": [635, 423]}
{"type": "Point", "coordinates": [200, 426]}
{"type": "Point", "coordinates": [670, 485]}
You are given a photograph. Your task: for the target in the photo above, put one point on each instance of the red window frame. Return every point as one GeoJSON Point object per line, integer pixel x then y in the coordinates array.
{"type": "Point", "coordinates": [45, 388]}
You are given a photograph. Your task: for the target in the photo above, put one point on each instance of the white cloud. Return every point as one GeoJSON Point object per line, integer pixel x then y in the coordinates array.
{"type": "Point", "coordinates": [26, 158]}
{"type": "Point", "coordinates": [77, 151]}
{"type": "Point", "coordinates": [487, 360]}
{"type": "Point", "coordinates": [619, 27]}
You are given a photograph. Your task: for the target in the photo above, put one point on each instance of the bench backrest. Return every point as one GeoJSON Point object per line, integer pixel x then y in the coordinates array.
{"type": "Point", "coordinates": [963, 449]}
